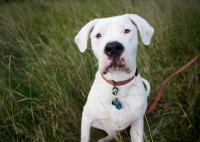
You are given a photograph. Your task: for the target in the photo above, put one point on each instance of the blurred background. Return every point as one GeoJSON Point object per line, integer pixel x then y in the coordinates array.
{"type": "Point", "coordinates": [44, 79]}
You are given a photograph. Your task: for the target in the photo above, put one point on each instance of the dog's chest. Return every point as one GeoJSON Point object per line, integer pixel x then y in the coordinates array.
{"type": "Point", "coordinates": [100, 107]}
{"type": "Point", "coordinates": [132, 97]}
{"type": "Point", "coordinates": [132, 108]}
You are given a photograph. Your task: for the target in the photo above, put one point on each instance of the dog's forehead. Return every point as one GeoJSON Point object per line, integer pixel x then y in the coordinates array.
{"type": "Point", "coordinates": [113, 22]}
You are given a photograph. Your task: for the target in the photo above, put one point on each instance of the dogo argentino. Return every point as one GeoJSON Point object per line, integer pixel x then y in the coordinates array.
{"type": "Point", "coordinates": [117, 98]}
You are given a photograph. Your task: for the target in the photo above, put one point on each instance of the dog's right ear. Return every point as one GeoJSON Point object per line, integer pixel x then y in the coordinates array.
{"type": "Point", "coordinates": [83, 35]}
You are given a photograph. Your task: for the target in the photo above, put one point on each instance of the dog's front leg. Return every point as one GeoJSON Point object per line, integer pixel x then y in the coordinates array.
{"type": "Point", "coordinates": [137, 131]}
{"type": "Point", "coordinates": [85, 128]}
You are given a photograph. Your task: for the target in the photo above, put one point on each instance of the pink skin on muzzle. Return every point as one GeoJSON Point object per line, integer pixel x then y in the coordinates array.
{"type": "Point", "coordinates": [111, 64]}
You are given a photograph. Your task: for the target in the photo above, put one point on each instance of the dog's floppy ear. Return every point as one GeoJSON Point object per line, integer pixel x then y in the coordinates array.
{"type": "Point", "coordinates": [83, 35]}
{"type": "Point", "coordinates": [146, 31]}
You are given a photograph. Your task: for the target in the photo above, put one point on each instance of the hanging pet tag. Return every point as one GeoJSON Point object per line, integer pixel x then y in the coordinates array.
{"type": "Point", "coordinates": [114, 90]}
{"type": "Point", "coordinates": [117, 104]}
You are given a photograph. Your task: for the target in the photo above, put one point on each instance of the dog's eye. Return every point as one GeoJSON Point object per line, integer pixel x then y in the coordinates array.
{"type": "Point", "coordinates": [98, 35]}
{"type": "Point", "coordinates": [126, 31]}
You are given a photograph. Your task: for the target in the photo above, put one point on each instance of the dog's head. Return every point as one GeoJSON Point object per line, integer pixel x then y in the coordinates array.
{"type": "Point", "coordinates": [114, 40]}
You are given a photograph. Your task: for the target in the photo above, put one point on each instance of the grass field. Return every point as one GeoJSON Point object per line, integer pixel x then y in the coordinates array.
{"type": "Point", "coordinates": [44, 79]}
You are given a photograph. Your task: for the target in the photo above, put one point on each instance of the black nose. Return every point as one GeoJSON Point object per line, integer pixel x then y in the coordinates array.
{"type": "Point", "coordinates": [114, 49]}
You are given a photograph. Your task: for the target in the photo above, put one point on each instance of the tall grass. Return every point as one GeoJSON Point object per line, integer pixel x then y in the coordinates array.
{"type": "Point", "coordinates": [44, 80]}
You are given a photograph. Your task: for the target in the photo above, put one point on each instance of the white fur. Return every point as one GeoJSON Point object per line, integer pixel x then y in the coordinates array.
{"type": "Point", "coordinates": [98, 111]}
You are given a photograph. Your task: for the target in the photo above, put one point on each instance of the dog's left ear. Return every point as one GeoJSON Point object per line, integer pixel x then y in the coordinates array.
{"type": "Point", "coordinates": [146, 31]}
{"type": "Point", "coordinates": [83, 35]}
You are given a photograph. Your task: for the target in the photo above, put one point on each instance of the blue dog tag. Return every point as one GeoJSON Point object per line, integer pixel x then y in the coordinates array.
{"type": "Point", "coordinates": [117, 104]}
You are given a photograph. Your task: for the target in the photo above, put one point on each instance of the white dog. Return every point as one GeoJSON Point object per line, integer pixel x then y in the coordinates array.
{"type": "Point", "coordinates": [117, 98]}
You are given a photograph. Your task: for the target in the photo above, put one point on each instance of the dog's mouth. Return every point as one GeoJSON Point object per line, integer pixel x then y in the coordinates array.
{"type": "Point", "coordinates": [116, 64]}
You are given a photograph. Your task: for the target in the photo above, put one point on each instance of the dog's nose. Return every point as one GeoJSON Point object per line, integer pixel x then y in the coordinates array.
{"type": "Point", "coordinates": [114, 49]}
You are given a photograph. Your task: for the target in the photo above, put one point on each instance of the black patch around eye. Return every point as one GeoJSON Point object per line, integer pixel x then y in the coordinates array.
{"type": "Point", "coordinates": [126, 31]}
{"type": "Point", "coordinates": [98, 35]}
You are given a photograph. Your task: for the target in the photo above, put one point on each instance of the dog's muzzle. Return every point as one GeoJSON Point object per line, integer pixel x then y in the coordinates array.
{"type": "Point", "coordinates": [114, 49]}
{"type": "Point", "coordinates": [115, 60]}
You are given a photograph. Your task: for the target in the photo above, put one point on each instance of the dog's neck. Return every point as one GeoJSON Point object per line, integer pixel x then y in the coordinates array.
{"type": "Point", "coordinates": [122, 82]}
{"type": "Point", "coordinates": [119, 75]}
